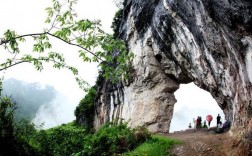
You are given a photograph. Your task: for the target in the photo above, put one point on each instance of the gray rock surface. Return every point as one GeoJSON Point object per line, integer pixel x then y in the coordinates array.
{"type": "Point", "coordinates": [208, 42]}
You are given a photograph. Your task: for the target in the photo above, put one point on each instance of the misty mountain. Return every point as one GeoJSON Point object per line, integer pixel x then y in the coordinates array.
{"type": "Point", "coordinates": [28, 96]}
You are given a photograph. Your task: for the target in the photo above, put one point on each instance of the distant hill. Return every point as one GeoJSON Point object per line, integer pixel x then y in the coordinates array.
{"type": "Point", "coordinates": [28, 96]}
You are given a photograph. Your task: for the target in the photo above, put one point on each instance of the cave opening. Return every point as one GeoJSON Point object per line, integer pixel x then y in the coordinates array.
{"type": "Point", "coordinates": [193, 101]}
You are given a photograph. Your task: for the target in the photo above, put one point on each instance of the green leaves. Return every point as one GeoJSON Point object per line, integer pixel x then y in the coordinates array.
{"type": "Point", "coordinates": [84, 57]}
{"type": "Point", "coordinates": [38, 47]}
{"type": "Point", "coordinates": [82, 83]}
{"type": "Point", "coordinates": [42, 43]}
{"type": "Point", "coordinates": [64, 34]}
{"type": "Point", "coordinates": [116, 66]}
{"type": "Point", "coordinates": [93, 43]}
{"type": "Point", "coordinates": [49, 11]}
{"type": "Point", "coordinates": [83, 25]}
{"type": "Point", "coordinates": [10, 38]}
{"type": "Point", "coordinates": [61, 140]}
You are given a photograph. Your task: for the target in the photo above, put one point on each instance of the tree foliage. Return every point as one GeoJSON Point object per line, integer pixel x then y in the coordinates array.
{"type": "Point", "coordinates": [63, 24]}
{"type": "Point", "coordinates": [61, 140]}
{"type": "Point", "coordinates": [72, 139]}
{"type": "Point", "coordinates": [13, 137]}
{"type": "Point", "coordinates": [6, 124]}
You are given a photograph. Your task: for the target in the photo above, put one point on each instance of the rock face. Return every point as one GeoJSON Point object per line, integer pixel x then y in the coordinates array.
{"type": "Point", "coordinates": [208, 42]}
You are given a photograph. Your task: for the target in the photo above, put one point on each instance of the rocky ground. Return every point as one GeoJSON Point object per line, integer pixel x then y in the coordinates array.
{"type": "Point", "coordinates": [203, 142]}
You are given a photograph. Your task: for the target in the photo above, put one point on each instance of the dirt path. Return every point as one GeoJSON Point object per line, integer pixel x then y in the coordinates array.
{"type": "Point", "coordinates": [202, 142]}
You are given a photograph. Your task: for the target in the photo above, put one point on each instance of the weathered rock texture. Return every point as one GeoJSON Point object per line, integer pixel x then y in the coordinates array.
{"type": "Point", "coordinates": [208, 42]}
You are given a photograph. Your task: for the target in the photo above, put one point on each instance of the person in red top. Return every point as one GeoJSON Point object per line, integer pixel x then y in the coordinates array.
{"type": "Point", "coordinates": [209, 118]}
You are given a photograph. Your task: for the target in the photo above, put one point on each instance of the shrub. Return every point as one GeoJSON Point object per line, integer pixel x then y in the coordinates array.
{"type": "Point", "coordinates": [114, 139]}
{"type": "Point", "coordinates": [142, 134]}
{"type": "Point", "coordinates": [72, 139]}
{"type": "Point", "coordinates": [62, 140]}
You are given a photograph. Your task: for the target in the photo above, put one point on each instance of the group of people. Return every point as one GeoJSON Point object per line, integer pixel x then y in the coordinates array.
{"type": "Point", "coordinates": [198, 122]}
{"type": "Point", "coordinates": [219, 127]}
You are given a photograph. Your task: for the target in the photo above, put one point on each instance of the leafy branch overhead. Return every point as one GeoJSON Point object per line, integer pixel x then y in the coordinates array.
{"type": "Point", "coordinates": [93, 43]}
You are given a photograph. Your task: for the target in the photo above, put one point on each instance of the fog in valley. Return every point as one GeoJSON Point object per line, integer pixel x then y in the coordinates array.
{"type": "Point", "coordinates": [41, 104]}
{"type": "Point", "coordinates": [56, 112]}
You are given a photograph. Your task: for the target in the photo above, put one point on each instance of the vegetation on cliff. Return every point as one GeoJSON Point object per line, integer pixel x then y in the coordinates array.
{"type": "Point", "coordinates": [84, 112]}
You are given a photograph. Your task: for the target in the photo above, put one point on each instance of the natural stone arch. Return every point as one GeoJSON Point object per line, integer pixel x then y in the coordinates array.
{"type": "Point", "coordinates": [206, 42]}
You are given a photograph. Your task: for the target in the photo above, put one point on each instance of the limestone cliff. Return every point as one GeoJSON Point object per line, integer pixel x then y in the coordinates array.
{"type": "Point", "coordinates": [208, 42]}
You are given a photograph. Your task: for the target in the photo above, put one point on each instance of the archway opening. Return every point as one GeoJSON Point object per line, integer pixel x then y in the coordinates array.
{"type": "Point", "coordinates": [192, 102]}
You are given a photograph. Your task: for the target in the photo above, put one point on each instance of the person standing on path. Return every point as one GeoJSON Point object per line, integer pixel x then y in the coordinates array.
{"type": "Point", "coordinates": [218, 120]}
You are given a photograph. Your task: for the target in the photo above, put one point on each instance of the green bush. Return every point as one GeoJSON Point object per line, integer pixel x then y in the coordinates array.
{"type": "Point", "coordinates": [142, 134]}
{"type": "Point", "coordinates": [72, 139]}
{"type": "Point", "coordinates": [114, 139]}
{"type": "Point", "coordinates": [62, 140]}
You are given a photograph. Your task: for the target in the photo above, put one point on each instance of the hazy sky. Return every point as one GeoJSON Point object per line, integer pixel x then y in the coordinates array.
{"type": "Point", "coordinates": [28, 16]}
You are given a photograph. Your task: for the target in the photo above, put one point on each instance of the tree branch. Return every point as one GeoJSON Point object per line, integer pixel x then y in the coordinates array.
{"type": "Point", "coordinates": [30, 61]}
{"type": "Point", "coordinates": [14, 64]}
{"type": "Point", "coordinates": [73, 44]}
{"type": "Point", "coordinates": [50, 34]}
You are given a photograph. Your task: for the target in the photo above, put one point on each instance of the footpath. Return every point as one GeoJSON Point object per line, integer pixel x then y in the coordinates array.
{"type": "Point", "coordinates": [202, 142]}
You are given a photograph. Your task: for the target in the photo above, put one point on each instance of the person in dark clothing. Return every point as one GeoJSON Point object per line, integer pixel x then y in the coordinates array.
{"type": "Point", "coordinates": [197, 123]}
{"type": "Point", "coordinates": [218, 119]}
{"type": "Point", "coordinates": [200, 120]}
{"type": "Point", "coordinates": [204, 126]}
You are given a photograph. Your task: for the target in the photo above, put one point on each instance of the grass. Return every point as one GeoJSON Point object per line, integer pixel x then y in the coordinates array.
{"type": "Point", "coordinates": [156, 146]}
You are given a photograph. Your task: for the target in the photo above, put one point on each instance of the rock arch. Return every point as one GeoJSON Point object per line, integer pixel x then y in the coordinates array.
{"type": "Point", "coordinates": [206, 42]}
